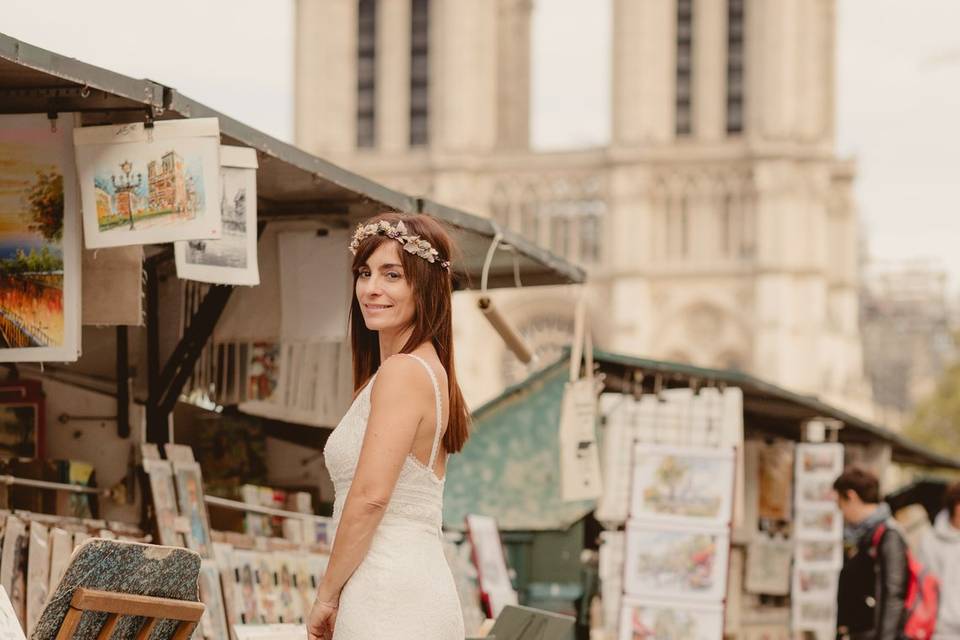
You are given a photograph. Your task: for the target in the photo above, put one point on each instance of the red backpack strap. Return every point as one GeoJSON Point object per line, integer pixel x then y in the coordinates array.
{"type": "Point", "coordinates": [876, 538]}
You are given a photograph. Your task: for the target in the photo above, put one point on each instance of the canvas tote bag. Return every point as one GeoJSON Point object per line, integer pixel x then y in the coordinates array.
{"type": "Point", "coordinates": [579, 457]}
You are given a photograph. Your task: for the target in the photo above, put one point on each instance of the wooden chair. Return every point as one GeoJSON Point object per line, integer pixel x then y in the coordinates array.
{"type": "Point", "coordinates": [151, 608]}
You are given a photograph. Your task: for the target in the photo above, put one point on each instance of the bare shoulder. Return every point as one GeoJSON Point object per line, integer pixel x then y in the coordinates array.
{"type": "Point", "coordinates": [401, 378]}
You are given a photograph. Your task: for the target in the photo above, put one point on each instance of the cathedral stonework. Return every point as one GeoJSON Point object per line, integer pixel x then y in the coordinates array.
{"type": "Point", "coordinates": [717, 225]}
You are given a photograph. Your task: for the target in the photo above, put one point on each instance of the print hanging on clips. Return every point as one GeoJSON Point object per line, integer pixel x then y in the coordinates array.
{"type": "Point", "coordinates": [149, 183]}
{"type": "Point", "coordinates": [233, 258]}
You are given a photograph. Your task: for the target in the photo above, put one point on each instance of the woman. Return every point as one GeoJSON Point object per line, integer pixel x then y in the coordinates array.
{"type": "Point", "coordinates": [387, 577]}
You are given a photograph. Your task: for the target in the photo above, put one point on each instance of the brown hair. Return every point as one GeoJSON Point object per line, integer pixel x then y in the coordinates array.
{"type": "Point", "coordinates": [861, 482]}
{"type": "Point", "coordinates": [432, 318]}
{"type": "Point", "coordinates": [951, 499]}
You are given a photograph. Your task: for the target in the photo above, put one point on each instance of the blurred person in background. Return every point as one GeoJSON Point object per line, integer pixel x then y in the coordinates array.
{"type": "Point", "coordinates": [873, 581]}
{"type": "Point", "coordinates": [940, 552]}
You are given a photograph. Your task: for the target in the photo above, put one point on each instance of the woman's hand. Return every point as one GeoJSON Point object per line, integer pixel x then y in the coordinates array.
{"type": "Point", "coordinates": [321, 621]}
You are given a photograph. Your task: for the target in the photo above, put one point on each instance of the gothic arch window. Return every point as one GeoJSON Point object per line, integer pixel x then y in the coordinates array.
{"type": "Point", "coordinates": [530, 215]}
{"type": "Point", "coordinates": [684, 71]}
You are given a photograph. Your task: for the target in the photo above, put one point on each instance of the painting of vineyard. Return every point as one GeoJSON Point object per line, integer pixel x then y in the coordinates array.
{"type": "Point", "coordinates": [33, 307]}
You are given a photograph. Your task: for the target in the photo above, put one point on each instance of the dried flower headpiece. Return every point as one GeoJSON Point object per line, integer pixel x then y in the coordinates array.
{"type": "Point", "coordinates": [411, 243]}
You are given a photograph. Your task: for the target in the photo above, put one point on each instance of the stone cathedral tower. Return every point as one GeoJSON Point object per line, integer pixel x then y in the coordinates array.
{"type": "Point", "coordinates": [718, 224]}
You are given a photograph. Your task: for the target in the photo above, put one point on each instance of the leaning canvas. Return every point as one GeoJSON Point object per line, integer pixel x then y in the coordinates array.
{"type": "Point", "coordinates": [39, 241]}
{"type": "Point", "coordinates": [682, 485]}
{"type": "Point", "coordinates": [233, 258]}
{"type": "Point", "coordinates": [143, 185]}
{"type": "Point", "coordinates": [680, 563]}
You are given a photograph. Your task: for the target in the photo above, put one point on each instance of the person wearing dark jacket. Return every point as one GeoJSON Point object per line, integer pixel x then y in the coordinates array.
{"type": "Point", "coordinates": [873, 581]}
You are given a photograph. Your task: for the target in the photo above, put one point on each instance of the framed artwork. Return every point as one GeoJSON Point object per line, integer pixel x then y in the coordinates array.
{"type": "Point", "coordinates": [164, 496]}
{"type": "Point", "coordinates": [22, 419]}
{"type": "Point", "coordinates": [223, 556]}
{"type": "Point", "coordinates": [39, 241]}
{"type": "Point", "coordinates": [646, 619]}
{"type": "Point", "coordinates": [190, 498]}
{"type": "Point", "coordinates": [233, 258]}
{"type": "Point", "coordinates": [815, 492]}
{"type": "Point", "coordinates": [676, 562]}
{"type": "Point", "coordinates": [246, 588]}
{"type": "Point", "coordinates": [9, 624]}
{"type": "Point", "coordinates": [768, 566]}
{"type": "Point", "coordinates": [488, 556]}
{"type": "Point", "coordinates": [267, 588]}
{"type": "Point", "coordinates": [815, 583]}
{"type": "Point", "coordinates": [146, 186]}
{"type": "Point", "coordinates": [682, 485]}
{"type": "Point", "coordinates": [814, 614]}
{"type": "Point", "coordinates": [816, 554]}
{"type": "Point", "coordinates": [289, 603]}
{"type": "Point", "coordinates": [824, 459]}
{"type": "Point", "coordinates": [214, 621]}
{"type": "Point", "coordinates": [819, 524]}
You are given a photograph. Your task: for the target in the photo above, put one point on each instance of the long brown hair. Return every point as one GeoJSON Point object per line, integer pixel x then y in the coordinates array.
{"type": "Point", "coordinates": [432, 287]}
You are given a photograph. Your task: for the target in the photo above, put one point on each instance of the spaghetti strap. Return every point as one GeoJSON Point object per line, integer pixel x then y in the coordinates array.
{"type": "Point", "coordinates": [436, 390]}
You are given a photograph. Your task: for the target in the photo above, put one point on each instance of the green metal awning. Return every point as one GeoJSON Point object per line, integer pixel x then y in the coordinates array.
{"type": "Point", "coordinates": [509, 468]}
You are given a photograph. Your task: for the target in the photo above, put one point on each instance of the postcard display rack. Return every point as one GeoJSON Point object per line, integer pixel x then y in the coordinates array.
{"type": "Point", "coordinates": [818, 539]}
{"type": "Point", "coordinates": [671, 467]}
{"type": "Point", "coordinates": [245, 580]}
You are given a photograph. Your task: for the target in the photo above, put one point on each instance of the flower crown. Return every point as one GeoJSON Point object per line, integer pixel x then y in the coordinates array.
{"type": "Point", "coordinates": [411, 243]}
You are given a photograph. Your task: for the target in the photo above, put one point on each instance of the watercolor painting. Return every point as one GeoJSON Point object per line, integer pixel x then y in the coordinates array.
{"type": "Point", "coordinates": [819, 524]}
{"type": "Point", "coordinates": [676, 562]}
{"type": "Point", "coordinates": [233, 258]}
{"type": "Point", "coordinates": [825, 459]}
{"type": "Point", "coordinates": [652, 620]}
{"type": "Point", "coordinates": [682, 484]}
{"type": "Point", "coordinates": [817, 554]}
{"type": "Point", "coordinates": [39, 241]}
{"type": "Point", "coordinates": [144, 185]}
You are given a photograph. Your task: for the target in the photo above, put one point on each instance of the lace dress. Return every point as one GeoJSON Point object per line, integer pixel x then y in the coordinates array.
{"type": "Point", "coordinates": [403, 588]}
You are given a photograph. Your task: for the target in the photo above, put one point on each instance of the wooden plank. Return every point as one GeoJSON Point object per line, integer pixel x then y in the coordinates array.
{"type": "Point", "coordinates": [133, 605]}
{"type": "Point", "coordinates": [70, 622]}
{"type": "Point", "coordinates": [184, 630]}
{"type": "Point", "coordinates": [146, 629]}
{"type": "Point", "coordinates": [108, 627]}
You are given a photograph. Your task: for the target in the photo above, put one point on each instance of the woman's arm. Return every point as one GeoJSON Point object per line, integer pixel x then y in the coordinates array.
{"type": "Point", "coordinates": [398, 401]}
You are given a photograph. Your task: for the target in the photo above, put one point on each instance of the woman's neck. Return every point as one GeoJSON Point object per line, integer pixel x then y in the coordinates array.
{"type": "Point", "coordinates": [391, 342]}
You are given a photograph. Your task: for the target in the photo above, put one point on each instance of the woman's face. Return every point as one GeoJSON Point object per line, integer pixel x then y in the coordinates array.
{"type": "Point", "coordinates": [383, 291]}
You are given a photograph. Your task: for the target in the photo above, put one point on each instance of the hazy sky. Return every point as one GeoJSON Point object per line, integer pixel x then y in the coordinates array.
{"type": "Point", "coordinates": [897, 107]}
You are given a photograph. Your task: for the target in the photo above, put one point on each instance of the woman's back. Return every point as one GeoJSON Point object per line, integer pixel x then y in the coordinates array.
{"type": "Point", "coordinates": [403, 588]}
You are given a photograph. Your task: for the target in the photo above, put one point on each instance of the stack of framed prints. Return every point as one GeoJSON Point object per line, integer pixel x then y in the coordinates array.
{"type": "Point", "coordinates": [677, 541]}
{"type": "Point", "coordinates": [818, 534]}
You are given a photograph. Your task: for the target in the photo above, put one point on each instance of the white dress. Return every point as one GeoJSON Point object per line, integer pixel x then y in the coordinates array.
{"type": "Point", "coordinates": [403, 588]}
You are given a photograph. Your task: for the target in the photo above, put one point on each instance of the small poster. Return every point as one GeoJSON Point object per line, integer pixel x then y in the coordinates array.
{"type": "Point", "coordinates": [683, 563]}
{"type": "Point", "coordinates": [164, 497]}
{"type": "Point", "coordinates": [488, 556]}
{"type": "Point", "coordinates": [816, 554]}
{"type": "Point", "coordinates": [233, 258]}
{"type": "Point", "coordinates": [821, 459]}
{"type": "Point", "coordinates": [682, 485]}
{"type": "Point", "coordinates": [825, 523]}
{"type": "Point", "coordinates": [214, 621]}
{"type": "Point", "coordinates": [146, 185]}
{"type": "Point", "coordinates": [39, 241]}
{"type": "Point", "coordinates": [768, 566]}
